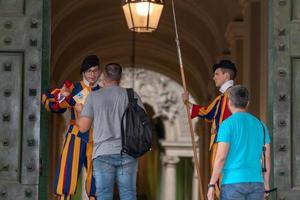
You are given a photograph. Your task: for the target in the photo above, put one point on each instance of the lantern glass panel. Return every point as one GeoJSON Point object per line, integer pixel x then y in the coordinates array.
{"type": "Point", "coordinates": [142, 16]}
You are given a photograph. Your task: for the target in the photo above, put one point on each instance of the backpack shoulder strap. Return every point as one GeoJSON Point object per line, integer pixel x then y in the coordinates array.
{"type": "Point", "coordinates": [130, 94]}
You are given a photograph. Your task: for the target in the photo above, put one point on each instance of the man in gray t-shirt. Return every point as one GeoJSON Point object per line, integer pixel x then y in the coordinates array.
{"type": "Point", "coordinates": [104, 109]}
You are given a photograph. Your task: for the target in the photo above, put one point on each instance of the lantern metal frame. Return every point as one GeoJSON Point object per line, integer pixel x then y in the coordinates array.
{"type": "Point", "coordinates": [149, 20]}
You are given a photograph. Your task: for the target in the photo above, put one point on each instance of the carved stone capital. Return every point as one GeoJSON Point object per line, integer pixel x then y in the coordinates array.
{"type": "Point", "coordinates": [170, 160]}
{"type": "Point", "coordinates": [234, 31]}
{"type": "Point", "coordinates": [245, 4]}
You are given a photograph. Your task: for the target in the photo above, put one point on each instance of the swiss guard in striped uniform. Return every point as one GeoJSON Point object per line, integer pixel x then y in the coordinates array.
{"type": "Point", "coordinates": [78, 147]}
{"type": "Point", "coordinates": [224, 75]}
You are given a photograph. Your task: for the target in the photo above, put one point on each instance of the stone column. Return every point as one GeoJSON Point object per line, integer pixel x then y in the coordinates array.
{"type": "Point", "coordinates": [169, 180]}
{"type": "Point", "coordinates": [235, 36]}
{"type": "Point", "coordinates": [195, 182]}
{"type": "Point", "coordinates": [246, 43]}
{"type": "Point", "coordinates": [253, 52]}
{"type": "Point", "coordinates": [163, 177]}
{"type": "Point", "coordinates": [195, 192]}
{"type": "Point", "coordinates": [264, 61]}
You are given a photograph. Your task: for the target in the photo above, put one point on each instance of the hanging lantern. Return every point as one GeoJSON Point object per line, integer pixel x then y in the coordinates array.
{"type": "Point", "coordinates": [142, 15]}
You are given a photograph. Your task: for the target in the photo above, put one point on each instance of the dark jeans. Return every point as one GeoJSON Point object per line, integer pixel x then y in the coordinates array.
{"type": "Point", "coordinates": [242, 191]}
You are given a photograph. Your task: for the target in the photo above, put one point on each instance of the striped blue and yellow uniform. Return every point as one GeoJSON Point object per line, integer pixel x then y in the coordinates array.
{"type": "Point", "coordinates": [215, 113]}
{"type": "Point", "coordinates": [77, 149]}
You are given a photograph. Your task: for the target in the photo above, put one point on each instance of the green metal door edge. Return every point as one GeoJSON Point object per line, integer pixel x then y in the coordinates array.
{"type": "Point", "coordinates": [45, 70]}
{"type": "Point", "coordinates": [271, 58]}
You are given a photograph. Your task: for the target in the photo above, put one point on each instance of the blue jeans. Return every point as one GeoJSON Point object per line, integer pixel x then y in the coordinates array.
{"type": "Point", "coordinates": [108, 168]}
{"type": "Point", "coordinates": [242, 191]}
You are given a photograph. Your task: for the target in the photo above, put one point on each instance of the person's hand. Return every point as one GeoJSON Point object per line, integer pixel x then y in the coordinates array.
{"type": "Point", "coordinates": [211, 193]}
{"type": "Point", "coordinates": [78, 107]}
{"type": "Point", "coordinates": [65, 91]}
{"type": "Point", "coordinates": [267, 195]}
{"type": "Point", "coordinates": [185, 97]}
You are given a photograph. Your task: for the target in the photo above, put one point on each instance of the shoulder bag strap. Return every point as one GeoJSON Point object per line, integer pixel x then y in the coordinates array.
{"type": "Point", "coordinates": [130, 94]}
{"type": "Point", "coordinates": [264, 169]}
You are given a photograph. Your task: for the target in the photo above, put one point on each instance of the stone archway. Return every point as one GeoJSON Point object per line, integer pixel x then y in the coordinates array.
{"type": "Point", "coordinates": [209, 30]}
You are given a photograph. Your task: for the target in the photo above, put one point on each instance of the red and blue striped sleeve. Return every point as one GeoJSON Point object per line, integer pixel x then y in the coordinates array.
{"type": "Point", "coordinates": [206, 112]}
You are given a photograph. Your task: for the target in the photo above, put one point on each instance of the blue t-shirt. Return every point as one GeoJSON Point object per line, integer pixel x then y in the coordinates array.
{"type": "Point", "coordinates": [244, 134]}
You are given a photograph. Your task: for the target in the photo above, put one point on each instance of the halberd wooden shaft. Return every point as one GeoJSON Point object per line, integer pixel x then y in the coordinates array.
{"type": "Point", "coordinates": [196, 161]}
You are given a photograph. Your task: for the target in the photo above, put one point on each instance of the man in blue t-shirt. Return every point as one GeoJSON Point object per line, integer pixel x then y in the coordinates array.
{"type": "Point", "coordinates": [239, 157]}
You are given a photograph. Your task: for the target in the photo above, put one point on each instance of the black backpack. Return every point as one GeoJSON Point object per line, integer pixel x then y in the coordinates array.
{"type": "Point", "coordinates": [137, 133]}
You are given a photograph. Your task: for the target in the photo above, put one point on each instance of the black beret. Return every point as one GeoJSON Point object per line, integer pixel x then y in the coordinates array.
{"type": "Point", "coordinates": [88, 62]}
{"type": "Point", "coordinates": [226, 64]}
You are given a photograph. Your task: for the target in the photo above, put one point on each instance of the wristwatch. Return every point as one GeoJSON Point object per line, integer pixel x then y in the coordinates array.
{"type": "Point", "coordinates": [211, 186]}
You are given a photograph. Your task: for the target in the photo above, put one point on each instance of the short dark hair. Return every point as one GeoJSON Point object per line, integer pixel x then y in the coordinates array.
{"type": "Point", "coordinates": [226, 66]}
{"type": "Point", "coordinates": [88, 62]}
{"type": "Point", "coordinates": [239, 96]}
{"type": "Point", "coordinates": [231, 72]}
{"type": "Point", "coordinates": [113, 71]}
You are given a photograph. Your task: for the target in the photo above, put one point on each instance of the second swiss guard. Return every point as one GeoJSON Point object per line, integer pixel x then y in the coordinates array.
{"type": "Point", "coordinates": [78, 147]}
{"type": "Point", "coordinates": [224, 74]}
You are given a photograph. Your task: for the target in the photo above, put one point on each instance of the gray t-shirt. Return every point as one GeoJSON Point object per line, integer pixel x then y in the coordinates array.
{"type": "Point", "coordinates": [106, 107]}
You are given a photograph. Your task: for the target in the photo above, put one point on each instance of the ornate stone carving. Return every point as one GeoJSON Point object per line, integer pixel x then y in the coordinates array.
{"type": "Point", "coordinates": [163, 94]}
{"type": "Point", "coordinates": [154, 89]}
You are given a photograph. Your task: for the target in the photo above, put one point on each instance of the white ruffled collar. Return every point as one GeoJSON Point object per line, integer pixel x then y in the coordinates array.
{"type": "Point", "coordinates": [226, 85]}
